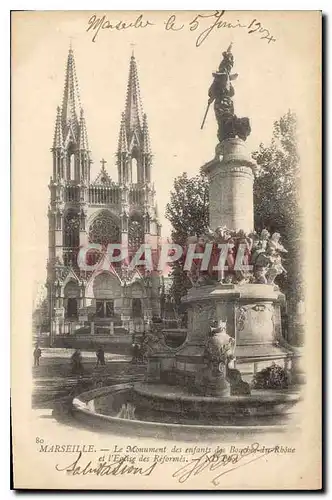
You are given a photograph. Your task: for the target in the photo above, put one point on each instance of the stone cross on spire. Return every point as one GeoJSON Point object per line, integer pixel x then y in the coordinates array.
{"type": "Point", "coordinates": [132, 45]}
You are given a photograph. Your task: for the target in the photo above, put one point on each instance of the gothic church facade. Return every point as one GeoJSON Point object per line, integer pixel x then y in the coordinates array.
{"type": "Point", "coordinates": [106, 298]}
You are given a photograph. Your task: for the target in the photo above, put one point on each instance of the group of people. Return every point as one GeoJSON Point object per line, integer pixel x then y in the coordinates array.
{"type": "Point", "coordinates": [77, 360]}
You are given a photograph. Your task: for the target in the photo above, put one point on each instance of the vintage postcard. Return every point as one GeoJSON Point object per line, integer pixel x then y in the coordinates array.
{"type": "Point", "coordinates": [166, 226]}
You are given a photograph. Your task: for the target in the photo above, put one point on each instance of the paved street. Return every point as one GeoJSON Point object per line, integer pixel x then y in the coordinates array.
{"type": "Point", "coordinates": [53, 380]}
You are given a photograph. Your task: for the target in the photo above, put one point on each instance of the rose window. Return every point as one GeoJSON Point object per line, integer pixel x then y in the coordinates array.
{"type": "Point", "coordinates": [104, 230]}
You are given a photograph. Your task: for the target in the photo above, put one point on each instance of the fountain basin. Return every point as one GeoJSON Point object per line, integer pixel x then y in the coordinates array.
{"type": "Point", "coordinates": [178, 405]}
{"type": "Point", "coordinates": [99, 409]}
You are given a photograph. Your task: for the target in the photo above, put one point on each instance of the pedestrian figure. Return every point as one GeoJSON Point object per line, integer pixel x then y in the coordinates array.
{"type": "Point", "coordinates": [141, 351]}
{"type": "Point", "coordinates": [76, 363]}
{"type": "Point", "coordinates": [135, 352]}
{"type": "Point", "coordinates": [100, 353]}
{"type": "Point", "coordinates": [36, 355]}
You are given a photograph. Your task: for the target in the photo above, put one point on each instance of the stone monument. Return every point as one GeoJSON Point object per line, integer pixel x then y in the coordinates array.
{"type": "Point", "coordinates": [237, 292]}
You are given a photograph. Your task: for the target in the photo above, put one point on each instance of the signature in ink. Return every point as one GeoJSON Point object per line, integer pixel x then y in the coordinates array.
{"type": "Point", "coordinates": [101, 23]}
{"type": "Point", "coordinates": [228, 462]}
{"type": "Point", "coordinates": [104, 468]}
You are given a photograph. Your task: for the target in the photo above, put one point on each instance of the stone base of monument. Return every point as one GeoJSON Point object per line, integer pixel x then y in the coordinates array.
{"type": "Point", "coordinates": [251, 314]}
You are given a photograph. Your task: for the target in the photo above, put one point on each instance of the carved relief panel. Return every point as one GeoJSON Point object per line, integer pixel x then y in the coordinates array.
{"type": "Point", "coordinates": [254, 323]}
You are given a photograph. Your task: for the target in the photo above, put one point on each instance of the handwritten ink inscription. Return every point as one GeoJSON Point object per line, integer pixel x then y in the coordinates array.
{"type": "Point", "coordinates": [188, 462]}
{"type": "Point", "coordinates": [102, 23]}
{"type": "Point", "coordinates": [104, 468]}
{"type": "Point", "coordinates": [202, 24]}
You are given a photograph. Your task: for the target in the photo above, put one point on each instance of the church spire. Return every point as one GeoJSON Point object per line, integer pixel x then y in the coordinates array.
{"type": "Point", "coordinates": [134, 153]}
{"type": "Point", "coordinates": [133, 109]}
{"type": "Point", "coordinates": [58, 138]}
{"type": "Point", "coordinates": [122, 145]}
{"type": "Point", "coordinates": [83, 142]}
{"type": "Point", "coordinates": [72, 163]}
{"type": "Point", "coordinates": [146, 137]}
{"type": "Point", "coordinates": [71, 104]}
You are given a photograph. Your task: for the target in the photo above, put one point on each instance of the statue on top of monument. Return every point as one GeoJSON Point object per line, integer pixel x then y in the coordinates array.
{"type": "Point", "coordinates": [221, 92]}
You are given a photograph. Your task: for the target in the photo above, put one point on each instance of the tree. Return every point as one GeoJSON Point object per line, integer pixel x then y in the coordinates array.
{"type": "Point", "coordinates": [188, 212]}
{"type": "Point", "coordinates": [276, 200]}
{"type": "Point", "coordinates": [40, 316]}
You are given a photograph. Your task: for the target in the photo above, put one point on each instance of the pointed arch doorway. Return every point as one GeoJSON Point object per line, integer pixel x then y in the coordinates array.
{"type": "Point", "coordinates": [106, 291]}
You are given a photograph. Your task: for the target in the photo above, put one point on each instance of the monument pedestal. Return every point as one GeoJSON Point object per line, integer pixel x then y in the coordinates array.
{"type": "Point", "coordinates": [251, 313]}
{"type": "Point", "coordinates": [231, 178]}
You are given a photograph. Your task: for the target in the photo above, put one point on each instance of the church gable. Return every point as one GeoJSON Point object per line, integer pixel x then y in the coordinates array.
{"type": "Point", "coordinates": [70, 277]}
{"type": "Point", "coordinates": [102, 179]}
{"type": "Point", "coordinates": [130, 276]}
{"type": "Point", "coordinates": [134, 141]}
{"type": "Point", "coordinates": [71, 137]}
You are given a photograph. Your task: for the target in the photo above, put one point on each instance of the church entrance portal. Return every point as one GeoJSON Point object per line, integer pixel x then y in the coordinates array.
{"type": "Point", "coordinates": [104, 308]}
{"type": "Point", "coordinates": [106, 291]}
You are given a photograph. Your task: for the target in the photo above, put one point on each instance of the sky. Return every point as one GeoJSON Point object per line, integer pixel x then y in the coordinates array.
{"type": "Point", "coordinates": [174, 76]}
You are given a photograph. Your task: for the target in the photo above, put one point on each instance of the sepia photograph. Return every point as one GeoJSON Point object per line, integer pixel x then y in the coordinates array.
{"type": "Point", "coordinates": [166, 209]}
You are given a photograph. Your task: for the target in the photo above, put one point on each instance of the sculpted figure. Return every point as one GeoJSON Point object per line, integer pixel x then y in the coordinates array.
{"type": "Point", "coordinates": [262, 252]}
{"type": "Point", "coordinates": [221, 93]}
{"type": "Point", "coordinates": [275, 269]}
{"type": "Point", "coordinates": [274, 244]}
{"type": "Point", "coordinates": [267, 258]}
{"type": "Point", "coordinates": [219, 345]}
{"type": "Point", "coordinates": [220, 233]}
{"type": "Point", "coordinates": [220, 352]}
{"type": "Point", "coordinates": [262, 264]}
{"type": "Point", "coordinates": [260, 244]}
{"type": "Point", "coordinates": [245, 243]}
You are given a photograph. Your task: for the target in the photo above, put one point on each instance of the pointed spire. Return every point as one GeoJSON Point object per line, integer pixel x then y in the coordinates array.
{"type": "Point", "coordinates": [58, 138]}
{"type": "Point", "coordinates": [123, 146]}
{"type": "Point", "coordinates": [133, 110]}
{"type": "Point", "coordinates": [146, 137]}
{"type": "Point", "coordinates": [71, 104]}
{"type": "Point", "coordinates": [83, 143]}
{"type": "Point", "coordinates": [134, 134]}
